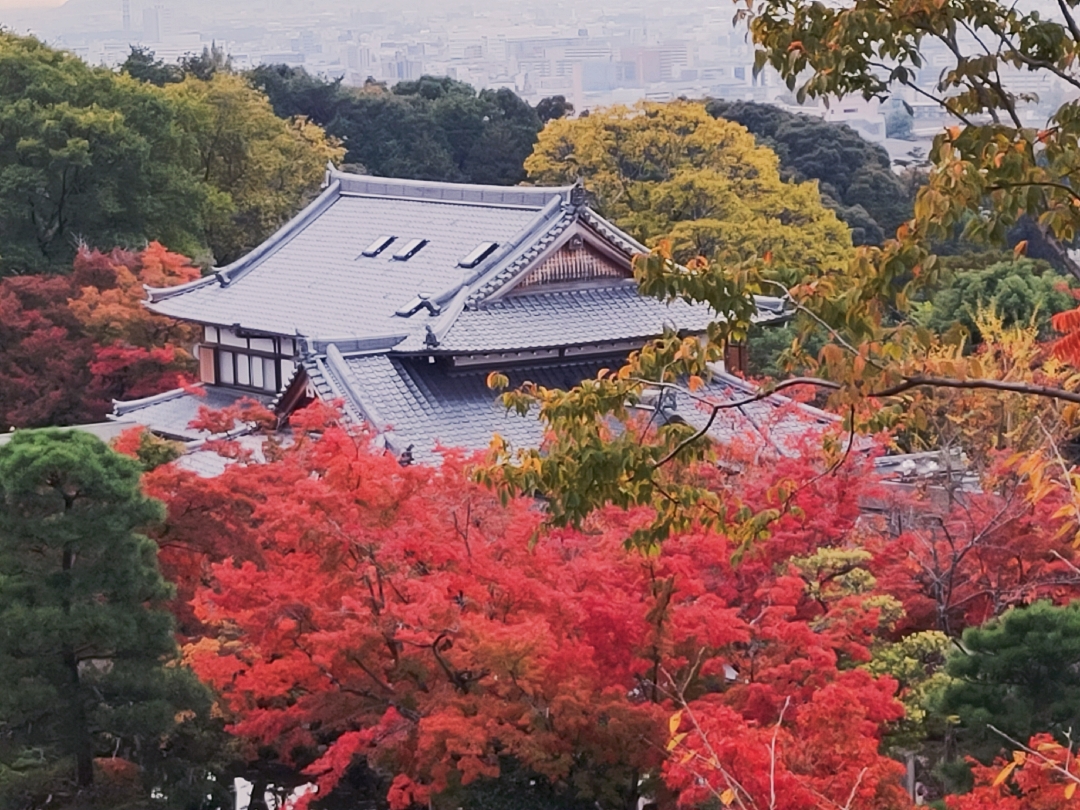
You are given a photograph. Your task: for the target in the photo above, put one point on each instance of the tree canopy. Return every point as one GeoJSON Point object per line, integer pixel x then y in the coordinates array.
{"type": "Point", "coordinates": [73, 343]}
{"type": "Point", "coordinates": [672, 172]}
{"type": "Point", "coordinates": [91, 157]}
{"type": "Point", "coordinates": [87, 154]}
{"type": "Point", "coordinates": [430, 129]}
{"type": "Point", "coordinates": [1017, 673]}
{"type": "Point", "coordinates": [1021, 291]}
{"type": "Point", "coordinates": [855, 176]}
{"type": "Point", "coordinates": [261, 168]}
{"type": "Point", "coordinates": [84, 636]}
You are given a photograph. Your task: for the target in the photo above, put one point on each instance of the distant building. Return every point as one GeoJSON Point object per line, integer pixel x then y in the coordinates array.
{"type": "Point", "coordinates": [396, 298]}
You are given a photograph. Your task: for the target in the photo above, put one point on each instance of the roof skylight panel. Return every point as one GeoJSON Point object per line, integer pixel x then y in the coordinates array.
{"type": "Point", "coordinates": [479, 253]}
{"type": "Point", "coordinates": [378, 246]}
{"type": "Point", "coordinates": [409, 249]}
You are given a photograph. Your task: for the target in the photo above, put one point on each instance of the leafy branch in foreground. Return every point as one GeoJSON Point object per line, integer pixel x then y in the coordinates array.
{"type": "Point", "coordinates": [612, 440]}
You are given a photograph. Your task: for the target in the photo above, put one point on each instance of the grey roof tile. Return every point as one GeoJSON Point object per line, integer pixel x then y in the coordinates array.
{"type": "Point", "coordinates": [428, 405]}
{"type": "Point", "coordinates": [565, 318]}
{"type": "Point", "coordinates": [775, 421]}
{"type": "Point", "coordinates": [317, 284]}
{"type": "Point", "coordinates": [170, 414]}
{"type": "Point", "coordinates": [572, 317]}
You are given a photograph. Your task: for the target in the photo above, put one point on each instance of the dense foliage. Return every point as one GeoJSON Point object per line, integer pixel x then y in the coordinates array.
{"type": "Point", "coordinates": [91, 157]}
{"type": "Point", "coordinates": [84, 636]}
{"type": "Point", "coordinates": [262, 168]}
{"type": "Point", "coordinates": [672, 172]}
{"type": "Point", "coordinates": [72, 344]}
{"type": "Point", "coordinates": [854, 176]}
{"type": "Point", "coordinates": [355, 608]}
{"type": "Point", "coordinates": [1021, 291]}
{"type": "Point", "coordinates": [86, 154]}
{"type": "Point", "coordinates": [428, 129]}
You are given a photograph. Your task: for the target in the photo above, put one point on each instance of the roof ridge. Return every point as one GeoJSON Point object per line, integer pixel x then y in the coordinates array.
{"type": "Point", "coordinates": [439, 190]}
{"type": "Point", "coordinates": [337, 366]}
{"type": "Point", "coordinates": [123, 406]}
{"type": "Point", "coordinates": [503, 275]}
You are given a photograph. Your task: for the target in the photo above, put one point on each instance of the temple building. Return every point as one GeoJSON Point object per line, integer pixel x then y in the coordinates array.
{"type": "Point", "coordinates": [396, 298]}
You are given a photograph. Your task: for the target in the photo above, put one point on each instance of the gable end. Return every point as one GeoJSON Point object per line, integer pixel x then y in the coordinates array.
{"type": "Point", "coordinates": [575, 263]}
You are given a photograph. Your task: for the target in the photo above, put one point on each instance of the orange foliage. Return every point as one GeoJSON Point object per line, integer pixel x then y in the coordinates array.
{"type": "Point", "coordinates": [1045, 776]}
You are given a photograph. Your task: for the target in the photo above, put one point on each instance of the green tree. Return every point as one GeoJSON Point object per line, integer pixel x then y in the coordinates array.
{"type": "Point", "coordinates": [552, 107]}
{"type": "Point", "coordinates": [84, 637]}
{"type": "Point", "coordinates": [1019, 673]}
{"type": "Point", "coordinates": [141, 64]}
{"type": "Point", "coordinates": [1019, 290]}
{"type": "Point", "coordinates": [86, 155]}
{"type": "Point", "coordinates": [852, 172]}
{"type": "Point", "coordinates": [206, 65]}
{"type": "Point", "coordinates": [433, 128]}
{"type": "Point", "coordinates": [293, 91]}
{"type": "Point", "coordinates": [261, 169]}
{"type": "Point", "coordinates": [671, 171]}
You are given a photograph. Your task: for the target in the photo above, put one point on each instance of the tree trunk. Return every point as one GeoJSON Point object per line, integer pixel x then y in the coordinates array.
{"type": "Point", "coordinates": [81, 743]}
{"type": "Point", "coordinates": [82, 746]}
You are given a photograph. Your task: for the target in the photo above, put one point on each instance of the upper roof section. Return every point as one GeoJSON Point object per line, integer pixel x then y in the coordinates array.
{"type": "Point", "coordinates": [525, 196]}
{"type": "Point", "coordinates": [360, 261]}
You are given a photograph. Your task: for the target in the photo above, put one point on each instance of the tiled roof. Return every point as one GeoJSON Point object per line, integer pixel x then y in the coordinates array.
{"type": "Point", "coordinates": [565, 318]}
{"type": "Point", "coordinates": [570, 318]}
{"type": "Point", "coordinates": [170, 413]}
{"type": "Point", "coordinates": [317, 283]}
{"type": "Point", "coordinates": [106, 431]}
{"type": "Point", "coordinates": [425, 405]}
{"type": "Point", "coordinates": [775, 421]}
{"type": "Point", "coordinates": [414, 402]}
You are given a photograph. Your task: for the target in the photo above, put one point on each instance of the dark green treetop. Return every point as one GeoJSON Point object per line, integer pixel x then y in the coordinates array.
{"type": "Point", "coordinates": [1021, 674]}
{"type": "Point", "coordinates": [84, 635]}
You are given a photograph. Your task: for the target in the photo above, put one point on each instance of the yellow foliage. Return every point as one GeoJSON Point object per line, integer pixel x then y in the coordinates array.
{"type": "Point", "coordinates": [673, 172]}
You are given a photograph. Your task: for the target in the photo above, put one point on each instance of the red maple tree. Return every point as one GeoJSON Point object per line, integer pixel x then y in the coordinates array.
{"type": "Point", "coordinates": [960, 564]}
{"type": "Point", "coordinates": [73, 343]}
{"type": "Point", "coordinates": [354, 608]}
{"type": "Point", "coordinates": [1041, 775]}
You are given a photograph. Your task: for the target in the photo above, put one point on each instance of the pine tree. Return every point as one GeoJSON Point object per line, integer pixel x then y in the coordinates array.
{"type": "Point", "coordinates": [83, 639]}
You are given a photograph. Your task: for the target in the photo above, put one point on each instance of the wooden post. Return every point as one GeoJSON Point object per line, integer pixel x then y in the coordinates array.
{"type": "Point", "coordinates": [735, 358]}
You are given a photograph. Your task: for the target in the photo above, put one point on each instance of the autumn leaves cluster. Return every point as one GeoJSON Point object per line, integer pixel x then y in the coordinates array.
{"type": "Point", "coordinates": [348, 610]}
{"type": "Point", "coordinates": [73, 343]}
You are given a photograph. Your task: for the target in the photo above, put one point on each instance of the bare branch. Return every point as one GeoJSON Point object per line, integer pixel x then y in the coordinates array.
{"type": "Point", "coordinates": [772, 753]}
{"type": "Point", "coordinates": [1031, 752]}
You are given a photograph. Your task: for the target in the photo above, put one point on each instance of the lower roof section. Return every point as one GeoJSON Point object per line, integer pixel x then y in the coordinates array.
{"type": "Point", "coordinates": [171, 413]}
{"type": "Point", "coordinates": [423, 405]}
{"type": "Point", "coordinates": [419, 405]}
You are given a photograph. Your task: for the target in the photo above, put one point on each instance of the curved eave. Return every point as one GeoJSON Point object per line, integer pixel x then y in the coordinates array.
{"type": "Point", "coordinates": [225, 276]}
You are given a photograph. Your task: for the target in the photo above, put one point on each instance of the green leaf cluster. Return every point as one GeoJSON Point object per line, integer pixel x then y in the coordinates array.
{"type": "Point", "coordinates": [86, 154]}
{"type": "Point", "coordinates": [260, 168]}
{"type": "Point", "coordinates": [433, 128]}
{"type": "Point", "coordinates": [1020, 673]}
{"type": "Point", "coordinates": [1020, 291]}
{"type": "Point", "coordinates": [854, 176]}
{"type": "Point", "coordinates": [90, 156]}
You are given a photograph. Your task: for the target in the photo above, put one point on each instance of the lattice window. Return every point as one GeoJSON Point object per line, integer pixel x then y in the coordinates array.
{"type": "Point", "coordinates": [569, 265]}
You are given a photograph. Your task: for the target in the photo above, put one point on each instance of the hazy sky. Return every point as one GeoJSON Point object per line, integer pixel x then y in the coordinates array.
{"type": "Point", "coordinates": [30, 3]}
